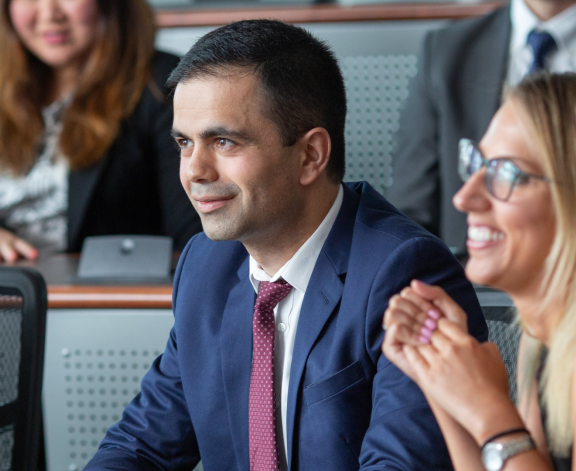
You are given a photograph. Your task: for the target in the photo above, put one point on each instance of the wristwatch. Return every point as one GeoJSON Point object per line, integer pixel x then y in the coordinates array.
{"type": "Point", "coordinates": [495, 454]}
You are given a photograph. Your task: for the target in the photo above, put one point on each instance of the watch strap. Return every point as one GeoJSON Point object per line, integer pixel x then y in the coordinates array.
{"type": "Point", "coordinates": [517, 446]}
{"type": "Point", "coordinates": [504, 433]}
{"type": "Point", "coordinates": [495, 454]}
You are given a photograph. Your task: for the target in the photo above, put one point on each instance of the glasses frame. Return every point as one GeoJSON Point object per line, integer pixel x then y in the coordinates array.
{"type": "Point", "coordinates": [490, 165]}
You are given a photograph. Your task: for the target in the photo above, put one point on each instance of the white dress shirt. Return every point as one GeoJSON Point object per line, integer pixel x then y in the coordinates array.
{"type": "Point", "coordinates": [297, 272]}
{"type": "Point", "coordinates": [562, 28]}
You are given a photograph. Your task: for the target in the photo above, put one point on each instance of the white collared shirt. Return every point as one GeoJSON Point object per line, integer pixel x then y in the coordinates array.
{"type": "Point", "coordinates": [297, 272]}
{"type": "Point", "coordinates": [562, 27]}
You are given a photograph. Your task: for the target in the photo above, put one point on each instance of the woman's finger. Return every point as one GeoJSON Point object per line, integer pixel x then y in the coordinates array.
{"type": "Point", "coordinates": [452, 330]}
{"type": "Point", "coordinates": [423, 305]}
{"type": "Point", "coordinates": [392, 347]}
{"type": "Point", "coordinates": [7, 252]}
{"type": "Point", "coordinates": [449, 339]}
{"type": "Point", "coordinates": [410, 329]}
{"type": "Point", "coordinates": [437, 296]}
{"type": "Point", "coordinates": [449, 347]}
{"type": "Point", "coordinates": [406, 335]}
{"type": "Point", "coordinates": [11, 247]}
{"type": "Point", "coordinates": [399, 302]}
{"type": "Point", "coordinates": [25, 249]}
{"type": "Point", "coordinates": [420, 326]}
{"type": "Point", "coordinates": [422, 322]}
{"type": "Point", "coordinates": [416, 359]}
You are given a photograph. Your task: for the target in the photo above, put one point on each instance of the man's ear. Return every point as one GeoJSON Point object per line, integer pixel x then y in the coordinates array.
{"type": "Point", "coordinates": [315, 147]}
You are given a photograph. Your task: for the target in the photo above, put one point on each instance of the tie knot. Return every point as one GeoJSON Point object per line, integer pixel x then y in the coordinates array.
{"type": "Point", "coordinates": [271, 293]}
{"type": "Point", "coordinates": [542, 44]}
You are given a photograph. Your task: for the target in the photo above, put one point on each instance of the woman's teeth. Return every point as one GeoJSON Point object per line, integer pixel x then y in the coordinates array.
{"type": "Point", "coordinates": [483, 234]}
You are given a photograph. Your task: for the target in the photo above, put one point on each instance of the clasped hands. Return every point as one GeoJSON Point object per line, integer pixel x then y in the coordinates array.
{"type": "Point", "coordinates": [427, 338]}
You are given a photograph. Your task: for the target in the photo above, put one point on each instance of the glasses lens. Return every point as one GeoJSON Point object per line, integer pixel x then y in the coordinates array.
{"type": "Point", "coordinates": [502, 177]}
{"type": "Point", "coordinates": [467, 159]}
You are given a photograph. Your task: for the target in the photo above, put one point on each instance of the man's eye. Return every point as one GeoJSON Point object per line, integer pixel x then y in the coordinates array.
{"type": "Point", "coordinates": [222, 142]}
{"type": "Point", "coordinates": [184, 143]}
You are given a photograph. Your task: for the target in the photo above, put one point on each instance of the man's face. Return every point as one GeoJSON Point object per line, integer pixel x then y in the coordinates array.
{"type": "Point", "coordinates": [240, 178]}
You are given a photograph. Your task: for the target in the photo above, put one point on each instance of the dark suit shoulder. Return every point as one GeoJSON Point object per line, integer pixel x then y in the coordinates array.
{"type": "Point", "coordinates": [470, 29]}
{"type": "Point", "coordinates": [462, 44]}
{"type": "Point", "coordinates": [383, 221]}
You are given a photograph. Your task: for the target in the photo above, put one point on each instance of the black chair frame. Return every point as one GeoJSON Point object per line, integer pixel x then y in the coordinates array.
{"type": "Point", "coordinates": [24, 414]}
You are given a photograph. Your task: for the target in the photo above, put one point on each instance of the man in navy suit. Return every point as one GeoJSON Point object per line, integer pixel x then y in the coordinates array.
{"type": "Point", "coordinates": [259, 117]}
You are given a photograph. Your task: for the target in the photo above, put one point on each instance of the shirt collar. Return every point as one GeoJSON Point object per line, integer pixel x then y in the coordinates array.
{"type": "Point", "coordinates": [298, 270]}
{"type": "Point", "coordinates": [562, 27]}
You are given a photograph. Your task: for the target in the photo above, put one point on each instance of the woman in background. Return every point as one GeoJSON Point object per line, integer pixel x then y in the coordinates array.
{"type": "Point", "coordinates": [521, 205]}
{"type": "Point", "coordinates": [85, 145]}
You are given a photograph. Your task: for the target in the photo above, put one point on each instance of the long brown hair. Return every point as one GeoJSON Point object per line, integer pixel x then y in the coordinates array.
{"type": "Point", "coordinates": [109, 86]}
{"type": "Point", "coordinates": [550, 104]}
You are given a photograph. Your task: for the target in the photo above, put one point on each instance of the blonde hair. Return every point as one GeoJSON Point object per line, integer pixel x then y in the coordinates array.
{"type": "Point", "coordinates": [550, 103]}
{"type": "Point", "coordinates": [109, 87]}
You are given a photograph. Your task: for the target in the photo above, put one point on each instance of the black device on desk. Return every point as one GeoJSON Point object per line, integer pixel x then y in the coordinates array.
{"type": "Point", "coordinates": [125, 259]}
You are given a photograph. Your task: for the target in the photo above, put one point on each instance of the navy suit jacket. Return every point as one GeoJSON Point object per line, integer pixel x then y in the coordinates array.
{"type": "Point", "coordinates": [349, 408]}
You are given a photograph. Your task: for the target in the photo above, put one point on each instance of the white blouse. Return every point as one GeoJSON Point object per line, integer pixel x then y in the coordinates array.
{"type": "Point", "coordinates": [34, 206]}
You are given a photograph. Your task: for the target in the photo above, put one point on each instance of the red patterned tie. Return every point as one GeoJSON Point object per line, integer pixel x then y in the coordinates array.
{"type": "Point", "coordinates": [261, 410]}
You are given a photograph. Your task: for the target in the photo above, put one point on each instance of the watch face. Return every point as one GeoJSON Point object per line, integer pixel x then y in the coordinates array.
{"type": "Point", "coordinates": [492, 458]}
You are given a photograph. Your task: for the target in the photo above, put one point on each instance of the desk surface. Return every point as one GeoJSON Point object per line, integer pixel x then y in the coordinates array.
{"type": "Point", "coordinates": [326, 13]}
{"type": "Point", "coordinates": [63, 293]}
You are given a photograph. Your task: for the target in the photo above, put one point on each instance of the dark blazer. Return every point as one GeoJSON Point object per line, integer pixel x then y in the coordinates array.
{"type": "Point", "coordinates": [135, 187]}
{"type": "Point", "coordinates": [455, 94]}
{"type": "Point", "coordinates": [349, 408]}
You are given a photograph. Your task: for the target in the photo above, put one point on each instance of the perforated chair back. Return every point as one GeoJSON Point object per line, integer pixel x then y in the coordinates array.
{"type": "Point", "coordinates": [500, 316]}
{"type": "Point", "coordinates": [23, 302]}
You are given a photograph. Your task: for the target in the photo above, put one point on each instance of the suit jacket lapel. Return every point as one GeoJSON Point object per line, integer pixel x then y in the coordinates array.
{"type": "Point", "coordinates": [82, 184]}
{"type": "Point", "coordinates": [322, 296]}
{"type": "Point", "coordinates": [486, 77]}
{"type": "Point", "coordinates": [236, 351]}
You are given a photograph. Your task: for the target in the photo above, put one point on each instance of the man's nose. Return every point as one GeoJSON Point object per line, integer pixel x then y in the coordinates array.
{"type": "Point", "coordinates": [200, 167]}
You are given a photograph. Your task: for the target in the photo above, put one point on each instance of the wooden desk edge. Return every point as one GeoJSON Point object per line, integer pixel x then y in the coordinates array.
{"type": "Point", "coordinates": [326, 13]}
{"type": "Point", "coordinates": [107, 297]}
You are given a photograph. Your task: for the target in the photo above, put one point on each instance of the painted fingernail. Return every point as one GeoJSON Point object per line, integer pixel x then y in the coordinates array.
{"type": "Point", "coordinates": [426, 332]}
{"type": "Point", "coordinates": [423, 339]}
{"type": "Point", "coordinates": [431, 324]}
{"type": "Point", "coordinates": [433, 314]}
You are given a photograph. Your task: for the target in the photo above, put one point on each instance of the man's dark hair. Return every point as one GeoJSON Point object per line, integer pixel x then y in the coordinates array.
{"type": "Point", "coordinates": [303, 84]}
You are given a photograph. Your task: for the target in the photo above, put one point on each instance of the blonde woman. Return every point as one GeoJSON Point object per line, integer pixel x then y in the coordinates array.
{"type": "Point", "coordinates": [85, 145]}
{"type": "Point", "coordinates": [520, 197]}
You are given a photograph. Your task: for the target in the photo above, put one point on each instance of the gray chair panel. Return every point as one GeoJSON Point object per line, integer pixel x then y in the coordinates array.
{"type": "Point", "coordinates": [503, 331]}
{"type": "Point", "coordinates": [95, 360]}
{"type": "Point", "coordinates": [10, 347]}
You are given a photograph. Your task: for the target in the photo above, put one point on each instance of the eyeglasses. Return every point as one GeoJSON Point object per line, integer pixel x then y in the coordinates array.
{"type": "Point", "coordinates": [502, 175]}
